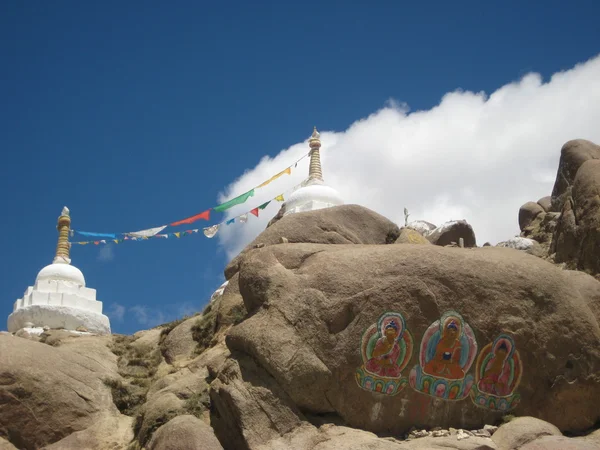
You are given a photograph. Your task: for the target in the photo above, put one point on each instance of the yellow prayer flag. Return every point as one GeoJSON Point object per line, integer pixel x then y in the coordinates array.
{"type": "Point", "coordinates": [116, 241]}
{"type": "Point", "coordinates": [177, 234]}
{"type": "Point", "coordinates": [288, 171]}
{"type": "Point", "coordinates": [279, 198]}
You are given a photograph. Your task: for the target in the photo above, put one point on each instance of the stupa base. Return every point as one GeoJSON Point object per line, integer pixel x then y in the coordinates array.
{"type": "Point", "coordinates": [58, 317]}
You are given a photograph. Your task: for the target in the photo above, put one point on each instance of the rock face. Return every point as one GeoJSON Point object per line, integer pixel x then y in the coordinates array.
{"type": "Point", "coordinates": [572, 156]}
{"type": "Point", "coordinates": [567, 224]}
{"type": "Point", "coordinates": [527, 213]}
{"type": "Point", "coordinates": [346, 224]}
{"type": "Point", "coordinates": [47, 393]}
{"type": "Point", "coordinates": [311, 307]}
{"type": "Point", "coordinates": [577, 236]}
{"type": "Point", "coordinates": [185, 432]}
{"type": "Point", "coordinates": [453, 231]}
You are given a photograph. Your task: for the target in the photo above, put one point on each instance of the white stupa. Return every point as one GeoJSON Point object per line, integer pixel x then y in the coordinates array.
{"type": "Point", "coordinates": [59, 298]}
{"type": "Point", "coordinates": [314, 194]}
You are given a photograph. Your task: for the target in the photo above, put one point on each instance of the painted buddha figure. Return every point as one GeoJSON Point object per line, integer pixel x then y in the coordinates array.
{"type": "Point", "coordinates": [496, 373]}
{"type": "Point", "coordinates": [383, 361]}
{"type": "Point", "coordinates": [446, 361]}
{"type": "Point", "coordinates": [385, 348]}
{"type": "Point", "coordinates": [448, 349]}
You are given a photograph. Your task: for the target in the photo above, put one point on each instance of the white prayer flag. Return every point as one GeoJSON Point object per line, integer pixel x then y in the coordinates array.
{"type": "Point", "coordinates": [147, 233]}
{"type": "Point", "coordinates": [211, 231]}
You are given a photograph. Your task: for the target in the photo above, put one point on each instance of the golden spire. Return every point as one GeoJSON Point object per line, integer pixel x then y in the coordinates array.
{"type": "Point", "coordinates": [63, 246]}
{"type": "Point", "coordinates": [314, 171]}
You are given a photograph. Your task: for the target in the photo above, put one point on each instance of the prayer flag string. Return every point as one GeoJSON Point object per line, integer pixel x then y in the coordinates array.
{"type": "Point", "coordinates": [205, 215]}
{"type": "Point", "coordinates": [209, 232]}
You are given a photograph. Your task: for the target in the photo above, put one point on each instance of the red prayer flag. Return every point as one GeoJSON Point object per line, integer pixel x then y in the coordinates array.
{"type": "Point", "coordinates": [203, 215]}
{"type": "Point", "coordinates": [255, 212]}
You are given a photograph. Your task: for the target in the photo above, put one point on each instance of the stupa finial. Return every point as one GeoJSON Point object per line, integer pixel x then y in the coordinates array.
{"type": "Point", "coordinates": [315, 172]}
{"type": "Point", "coordinates": [63, 247]}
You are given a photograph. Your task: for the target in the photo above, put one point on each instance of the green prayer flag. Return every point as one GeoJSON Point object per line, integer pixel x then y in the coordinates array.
{"type": "Point", "coordinates": [264, 205]}
{"type": "Point", "coordinates": [234, 201]}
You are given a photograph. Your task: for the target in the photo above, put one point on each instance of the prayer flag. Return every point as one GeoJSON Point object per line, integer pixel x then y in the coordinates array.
{"type": "Point", "coordinates": [203, 215]}
{"type": "Point", "coordinates": [234, 201]}
{"type": "Point", "coordinates": [96, 242]}
{"type": "Point", "coordinates": [145, 234]}
{"type": "Point", "coordinates": [177, 234]}
{"type": "Point", "coordinates": [279, 198]}
{"type": "Point", "coordinates": [264, 205]}
{"type": "Point", "coordinates": [230, 221]}
{"type": "Point", "coordinates": [288, 171]}
{"type": "Point", "coordinates": [254, 211]}
{"type": "Point", "coordinates": [116, 241]}
{"type": "Point", "coordinates": [89, 233]}
{"type": "Point", "coordinates": [243, 218]}
{"type": "Point", "coordinates": [211, 231]}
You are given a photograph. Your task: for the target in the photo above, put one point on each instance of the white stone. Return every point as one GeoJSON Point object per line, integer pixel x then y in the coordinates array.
{"type": "Point", "coordinates": [421, 226]}
{"type": "Point", "coordinates": [59, 299]}
{"type": "Point", "coordinates": [315, 195]}
{"type": "Point", "coordinates": [462, 434]}
{"type": "Point", "coordinates": [518, 243]}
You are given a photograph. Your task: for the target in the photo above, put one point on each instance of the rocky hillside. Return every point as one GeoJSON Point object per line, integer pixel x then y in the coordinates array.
{"type": "Point", "coordinates": [337, 329]}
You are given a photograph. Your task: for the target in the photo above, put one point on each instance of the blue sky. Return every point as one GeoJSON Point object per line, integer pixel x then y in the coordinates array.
{"type": "Point", "coordinates": [138, 114]}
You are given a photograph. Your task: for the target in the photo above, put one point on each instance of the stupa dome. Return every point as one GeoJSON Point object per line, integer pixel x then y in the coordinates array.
{"type": "Point", "coordinates": [311, 197]}
{"type": "Point", "coordinates": [63, 272]}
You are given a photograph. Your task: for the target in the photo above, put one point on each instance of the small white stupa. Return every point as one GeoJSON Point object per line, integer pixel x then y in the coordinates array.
{"type": "Point", "coordinates": [315, 194]}
{"type": "Point", "coordinates": [59, 298]}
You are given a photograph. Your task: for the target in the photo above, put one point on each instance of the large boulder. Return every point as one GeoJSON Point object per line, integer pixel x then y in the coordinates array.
{"type": "Point", "coordinates": [313, 327]}
{"type": "Point", "coordinates": [577, 236]}
{"type": "Point", "coordinates": [453, 231]}
{"type": "Point", "coordinates": [47, 392]}
{"type": "Point", "coordinates": [410, 236]}
{"type": "Point", "coordinates": [179, 343]}
{"type": "Point", "coordinates": [345, 224]}
{"type": "Point", "coordinates": [521, 431]}
{"type": "Point", "coordinates": [572, 156]}
{"type": "Point", "coordinates": [109, 432]}
{"type": "Point", "coordinates": [185, 432]}
{"type": "Point", "coordinates": [545, 203]}
{"type": "Point", "coordinates": [527, 213]}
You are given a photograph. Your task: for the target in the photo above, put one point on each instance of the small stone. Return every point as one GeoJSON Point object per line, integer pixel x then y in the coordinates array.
{"type": "Point", "coordinates": [284, 240]}
{"type": "Point", "coordinates": [490, 428]}
{"type": "Point", "coordinates": [482, 433]}
{"type": "Point", "coordinates": [441, 433]}
{"type": "Point", "coordinates": [436, 428]}
{"type": "Point", "coordinates": [453, 431]}
{"type": "Point", "coordinates": [470, 433]}
{"type": "Point", "coordinates": [259, 245]}
{"type": "Point", "coordinates": [81, 328]}
{"type": "Point", "coordinates": [46, 328]}
{"type": "Point", "coordinates": [462, 434]}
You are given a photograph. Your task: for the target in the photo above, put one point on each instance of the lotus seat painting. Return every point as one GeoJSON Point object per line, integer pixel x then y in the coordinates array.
{"type": "Point", "coordinates": [386, 348]}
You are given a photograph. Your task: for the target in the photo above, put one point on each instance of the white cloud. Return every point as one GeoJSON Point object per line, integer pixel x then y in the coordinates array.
{"type": "Point", "coordinates": [116, 312]}
{"type": "Point", "coordinates": [106, 253]}
{"type": "Point", "coordinates": [472, 157]}
{"type": "Point", "coordinates": [146, 316]}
